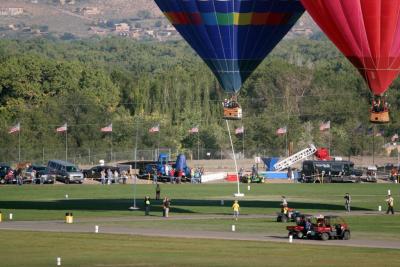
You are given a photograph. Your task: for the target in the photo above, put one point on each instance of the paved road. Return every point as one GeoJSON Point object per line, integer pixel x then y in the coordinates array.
{"type": "Point", "coordinates": [85, 226]}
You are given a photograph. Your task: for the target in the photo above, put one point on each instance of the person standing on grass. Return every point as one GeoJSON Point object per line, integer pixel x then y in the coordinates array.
{"type": "Point", "coordinates": [347, 199]}
{"type": "Point", "coordinates": [284, 203]}
{"type": "Point", "coordinates": [109, 176]}
{"type": "Point", "coordinates": [147, 205]}
{"type": "Point", "coordinates": [116, 176]}
{"type": "Point", "coordinates": [390, 203]}
{"type": "Point", "coordinates": [166, 205]}
{"type": "Point", "coordinates": [103, 177]}
{"type": "Point", "coordinates": [236, 209]}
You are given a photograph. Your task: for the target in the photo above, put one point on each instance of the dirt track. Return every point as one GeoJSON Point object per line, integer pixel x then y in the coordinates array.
{"type": "Point", "coordinates": [87, 227]}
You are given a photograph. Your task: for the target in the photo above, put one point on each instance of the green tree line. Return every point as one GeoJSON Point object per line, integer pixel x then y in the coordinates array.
{"type": "Point", "coordinates": [135, 85]}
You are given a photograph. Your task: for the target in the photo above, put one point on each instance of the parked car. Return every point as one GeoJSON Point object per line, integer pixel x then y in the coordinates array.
{"type": "Point", "coordinates": [45, 178]}
{"type": "Point", "coordinates": [322, 227]}
{"type": "Point", "coordinates": [39, 169]}
{"type": "Point", "coordinates": [5, 176]}
{"type": "Point", "coordinates": [330, 171]}
{"type": "Point", "coordinates": [371, 175]}
{"type": "Point", "coordinates": [64, 171]}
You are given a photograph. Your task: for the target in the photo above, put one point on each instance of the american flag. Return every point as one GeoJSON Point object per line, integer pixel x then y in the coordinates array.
{"type": "Point", "coordinates": [282, 130]}
{"type": "Point", "coordinates": [154, 129]}
{"type": "Point", "coordinates": [395, 137]}
{"type": "Point", "coordinates": [194, 130]}
{"type": "Point", "coordinates": [107, 129]}
{"type": "Point", "coordinates": [62, 128]}
{"type": "Point", "coordinates": [325, 126]}
{"type": "Point", "coordinates": [239, 130]}
{"type": "Point", "coordinates": [16, 128]}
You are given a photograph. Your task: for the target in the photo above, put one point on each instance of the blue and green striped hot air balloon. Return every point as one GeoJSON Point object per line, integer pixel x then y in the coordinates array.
{"type": "Point", "coordinates": [232, 36]}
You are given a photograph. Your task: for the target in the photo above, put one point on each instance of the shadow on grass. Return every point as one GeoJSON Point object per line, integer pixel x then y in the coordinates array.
{"type": "Point", "coordinates": [178, 205]}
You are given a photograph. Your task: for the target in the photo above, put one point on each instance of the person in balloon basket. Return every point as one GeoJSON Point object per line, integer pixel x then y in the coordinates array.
{"type": "Point", "coordinates": [147, 205]}
{"type": "Point", "coordinates": [390, 203]}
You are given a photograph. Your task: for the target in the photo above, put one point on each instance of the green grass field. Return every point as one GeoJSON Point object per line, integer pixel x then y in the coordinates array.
{"type": "Point", "coordinates": [34, 202]}
{"type": "Point", "coordinates": [89, 250]}
{"type": "Point", "coordinates": [94, 202]}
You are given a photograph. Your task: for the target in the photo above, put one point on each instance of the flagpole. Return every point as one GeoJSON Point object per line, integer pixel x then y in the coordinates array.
{"type": "Point", "coordinates": [329, 140]}
{"type": "Point", "coordinates": [243, 143]}
{"type": "Point", "coordinates": [158, 143]}
{"type": "Point", "coordinates": [373, 145]}
{"type": "Point", "coordinates": [134, 207]}
{"type": "Point", "coordinates": [286, 143]}
{"type": "Point", "coordinates": [66, 144]}
{"type": "Point", "coordinates": [198, 146]}
{"type": "Point", "coordinates": [111, 156]}
{"type": "Point", "coordinates": [19, 145]}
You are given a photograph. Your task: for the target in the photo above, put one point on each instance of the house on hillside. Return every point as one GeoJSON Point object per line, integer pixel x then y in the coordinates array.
{"type": "Point", "coordinates": [122, 28]}
{"type": "Point", "coordinates": [98, 31]}
{"type": "Point", "coordinates": [69, 2]}
{"type": "Point", "coordinates": [11, 11]}
{"type": "Point", "coordinates": [90, 11]}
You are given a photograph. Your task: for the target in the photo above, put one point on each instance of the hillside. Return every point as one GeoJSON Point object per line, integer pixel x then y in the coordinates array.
{"type": "Point", "coordinates": [86, 18]}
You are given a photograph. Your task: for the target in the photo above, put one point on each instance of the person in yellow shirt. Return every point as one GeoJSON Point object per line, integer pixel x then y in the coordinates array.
{"type": "Point", "coordinates": [236, 209]}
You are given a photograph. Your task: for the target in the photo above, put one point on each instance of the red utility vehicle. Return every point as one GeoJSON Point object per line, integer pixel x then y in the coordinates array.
{"type": "Point", "coordinates": [320, 227]}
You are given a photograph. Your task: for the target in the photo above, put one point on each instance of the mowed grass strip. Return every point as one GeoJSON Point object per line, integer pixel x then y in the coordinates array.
{"type": "Point", "coordinates": [371, 227]}
{"type": "Point", "coordinates": [93, 250]}
{"type": "Point", "coordinates": [46, 202]}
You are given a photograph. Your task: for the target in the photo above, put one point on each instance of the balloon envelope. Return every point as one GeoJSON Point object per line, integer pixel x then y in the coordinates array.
{"type": "Point", "coordinates": [232, 36]}
{"type": "Point", "coordinates": [366, 32]}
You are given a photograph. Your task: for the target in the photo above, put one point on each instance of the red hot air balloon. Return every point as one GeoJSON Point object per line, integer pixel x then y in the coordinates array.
{"type": "Point", "coordinates": [367, 32]}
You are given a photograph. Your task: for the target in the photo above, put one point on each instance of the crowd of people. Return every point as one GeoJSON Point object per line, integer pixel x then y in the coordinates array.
{"type": "Point", "coordinates": [176, 176]}
{"type": "Point", "coordinates": [165, 204]}
{"type": "Point", "coordinates": [379, 105]}
{"type": "Point", "coordinates": [230, 103]}
{"type": "Point", "coordinates": [108, 177]}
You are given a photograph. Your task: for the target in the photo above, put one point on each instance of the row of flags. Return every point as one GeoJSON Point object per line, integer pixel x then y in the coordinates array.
{"type": "Point", "coordinates": [107, 129]}
{"type": "Point", "coordinates": [156, 128]}
{"type": "Point", "coordinates": [322, 127]}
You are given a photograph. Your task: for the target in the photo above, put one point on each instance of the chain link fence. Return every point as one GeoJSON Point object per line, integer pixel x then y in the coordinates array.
{"type": "Point", "coordinates": [92, 156]}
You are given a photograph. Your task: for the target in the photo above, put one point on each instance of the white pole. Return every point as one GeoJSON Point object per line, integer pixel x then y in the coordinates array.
{"type": "Point", "coordinates": [19, 146]}
{"type": "Point", "coordinates": [66, 145]}
{"type": "Point", "coordinates": [233, 228]}
{"type": "Point", "coordinates": [389, 192]}
{"type": "Point", "coordinates": [238, 194]}
{"type": "Point", "coordinates": [379, 208]}
{"type": "Point", "coordinates": [290, 239]}
{"type": "Point", "coordinates": [96, 229]}
{"type": "Point", "coordinates": [58, 261]}
{"type": "Point", "coordinates": [11, 216]}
